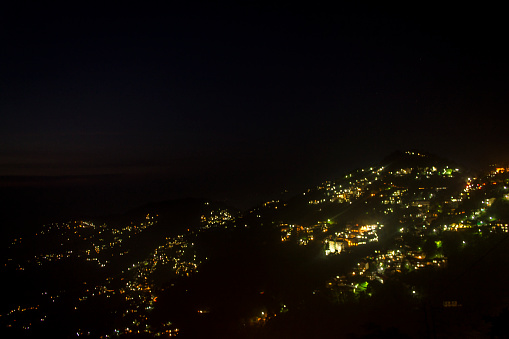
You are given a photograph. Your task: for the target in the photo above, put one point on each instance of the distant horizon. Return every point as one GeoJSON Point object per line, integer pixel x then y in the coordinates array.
{"type": "Point", "coordinates": [96, 195]}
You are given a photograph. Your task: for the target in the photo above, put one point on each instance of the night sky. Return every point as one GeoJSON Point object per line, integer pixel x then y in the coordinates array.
{"type": "Point", "coordinates": [238, 101]}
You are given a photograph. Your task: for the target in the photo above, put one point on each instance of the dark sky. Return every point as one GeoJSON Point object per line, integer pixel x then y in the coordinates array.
{"type": "Point", "coordinates": [237, 101]}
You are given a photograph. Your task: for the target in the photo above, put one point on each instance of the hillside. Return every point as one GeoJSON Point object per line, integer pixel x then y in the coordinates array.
{"type": "Point", "coordinates": [393, 250]}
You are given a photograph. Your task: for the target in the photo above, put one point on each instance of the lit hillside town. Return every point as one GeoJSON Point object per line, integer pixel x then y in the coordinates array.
{"type": "Point", "coordinates": [412, 216]}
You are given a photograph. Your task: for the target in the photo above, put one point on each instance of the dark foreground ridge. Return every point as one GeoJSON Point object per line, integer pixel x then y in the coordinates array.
{"type": "Point", "coordinates": [413, 247]}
